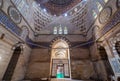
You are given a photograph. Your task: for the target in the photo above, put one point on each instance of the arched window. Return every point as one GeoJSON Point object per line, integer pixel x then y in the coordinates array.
{"type": "Point", "coordinates": [60, 30]}
{"type": "Point", "coordinates": [1, 2]}
{"type": "Point", "coordinates": [105, 1]}
{"type": "Point", "coordinates": [65, 30]}
{"type": "Point", "coordinates": [24, 33]}
{"type": "Point", "coordinates": [99, 6]}
{"type": "Point", "coordinates": [55, 30]}
{"type": "Point", "coordinates": [19, 4]}
{"type": "Point", "coordinates": [94, 14]}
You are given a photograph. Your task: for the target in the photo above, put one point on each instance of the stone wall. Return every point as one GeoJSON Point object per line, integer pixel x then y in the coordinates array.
{"type": "Point", "coordinates": [49, 38]}
{"type": "Point", "coordinates": [94, 51]}
{"type": "Point", "coordinates": [79, 53]}
{"type": "Point", "coordinates": [81, 66]}
{"type": "Point", "coordinates": [7, 45]}
{"type": "Point", "coordinates": [100, 70]}
{"type": "Point", "coordinates": [5, 54]}
{"type": "Point", "coordinates": [81, 69]}
{"type": "Point", "coordinates": [22, 64]}
{"type": "Point", "coordinates": [39, 65]}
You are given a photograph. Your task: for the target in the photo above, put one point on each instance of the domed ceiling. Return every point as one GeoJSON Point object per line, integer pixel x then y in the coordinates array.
{"type": "Point", "coordinates": [57, 7]}
{"type": "Point", "coordinates": [62, 22]}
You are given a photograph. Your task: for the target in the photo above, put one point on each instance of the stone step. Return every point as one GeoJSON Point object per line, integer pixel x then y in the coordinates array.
{"type": "Point", "coordinates": [67, 79]}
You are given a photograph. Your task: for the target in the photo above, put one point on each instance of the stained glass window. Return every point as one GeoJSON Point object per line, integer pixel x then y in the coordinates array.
{"type": "Point", "coordinates": [65, 30]}
{"type": "Point", "coordinates": [105, 1]}
{"type": "Point", "coordinates": [94, 13]}
{"type": "Point", "coordinates": [99, 6]}
{"type": "Point", "coordinates": [60, 30]}
{"type": "Point", "coordinates": [55, 30]}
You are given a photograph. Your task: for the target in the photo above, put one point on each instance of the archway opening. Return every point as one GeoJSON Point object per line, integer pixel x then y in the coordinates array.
{"type": "Point", "coordinates": [117, 47]}
{"type": "Point", "coordinates": [12, 64]}
{"type": "Point", "coordinates": [60, 59]}
{"type": "Point", "coordinates": [104, 58]}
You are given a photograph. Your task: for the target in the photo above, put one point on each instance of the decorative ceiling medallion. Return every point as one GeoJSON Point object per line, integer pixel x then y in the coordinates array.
{"type": "Point", "coordinates": [105, 15]}
{"type": "Point", "coordinates": [118, 3]}
{"type": "Point", "coordinates": [1, 2]}
{"type": "Point", "coordinates": [14, 15]}
{"type": "Point", "coordinates": [117, 47]}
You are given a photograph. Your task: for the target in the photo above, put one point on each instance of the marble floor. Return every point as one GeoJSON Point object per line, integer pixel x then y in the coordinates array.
{"type": "Point", "coordinates": [67, 79]}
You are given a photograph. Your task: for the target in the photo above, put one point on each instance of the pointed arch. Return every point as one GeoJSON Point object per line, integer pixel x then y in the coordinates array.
{"type": "Point", "coordinates": [60, 38]}
{"type": "Point", "coordinates": [60, 58]}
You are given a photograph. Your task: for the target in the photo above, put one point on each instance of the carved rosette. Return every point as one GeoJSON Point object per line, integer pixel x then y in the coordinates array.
{"type": "Point", "coordinates": [14, 15]}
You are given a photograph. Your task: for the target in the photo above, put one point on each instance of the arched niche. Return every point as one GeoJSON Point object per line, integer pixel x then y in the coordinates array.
{"type": "Point", "coordinates": [103, 53]}
{"type": "Point", "coordinates": [60, 50]}
{"type": "Point", "coordinates": [60, 59]}
{"type": "Point", "coordinates": [117, 47]}
{"type": "Point", "coordinates": [105, 60]}
{"type": "Point", "coordinates": [17, 51]}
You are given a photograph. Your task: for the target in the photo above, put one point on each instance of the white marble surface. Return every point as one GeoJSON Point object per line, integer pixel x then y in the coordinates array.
{"type": "Point", "coordinates": [67, 79]}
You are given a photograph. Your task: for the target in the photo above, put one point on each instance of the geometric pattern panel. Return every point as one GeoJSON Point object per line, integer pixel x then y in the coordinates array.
{"type": "Point", "coordinates": [7, 23]}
